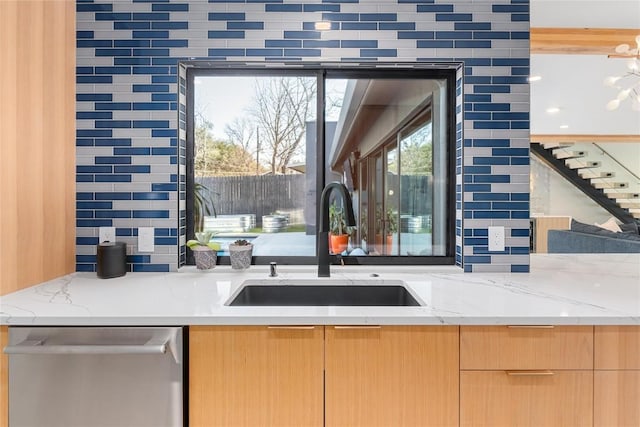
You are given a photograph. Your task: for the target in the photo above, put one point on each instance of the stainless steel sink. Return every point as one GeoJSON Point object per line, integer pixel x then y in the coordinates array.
{"type": "Point", "coordinates": [323, 293]}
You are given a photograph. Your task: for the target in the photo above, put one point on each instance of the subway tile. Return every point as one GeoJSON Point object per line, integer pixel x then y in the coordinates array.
{"type": "Point", "coordinates": [150, 268]}
{"type": "Point", "coordinates": [378, 29]}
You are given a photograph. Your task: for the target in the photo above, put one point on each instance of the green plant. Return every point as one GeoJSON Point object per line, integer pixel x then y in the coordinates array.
{"type": "Point", "coordinates": [337, 224]}
{"type": "Point", "coordinates": [202, 205]}
{"type": "Point", "coordinates": [204, 239]}
{"type": "Point", "coordinates": [392, 221]}
{"type": "Point", "coordinates": [242, 242]}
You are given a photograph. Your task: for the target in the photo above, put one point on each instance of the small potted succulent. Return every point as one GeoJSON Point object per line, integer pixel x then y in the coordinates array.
{"type": "Point", "coordinates": [240, 253]}
{"type": "Point", "coordinates": [204, 250]}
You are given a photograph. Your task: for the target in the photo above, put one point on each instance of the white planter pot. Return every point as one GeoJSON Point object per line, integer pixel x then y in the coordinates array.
{"type": "Point", "coordinates": [240, 256]}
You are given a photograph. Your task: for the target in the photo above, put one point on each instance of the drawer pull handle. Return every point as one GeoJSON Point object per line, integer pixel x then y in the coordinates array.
{"type": "Point", "coordinates": [529, 373]}
{"type": "Point", "coordinates": [530, 326]}
{"type": "Point", "coordinates": [358, 327]}
{"type": "Point", "coordinates": [292, 327]}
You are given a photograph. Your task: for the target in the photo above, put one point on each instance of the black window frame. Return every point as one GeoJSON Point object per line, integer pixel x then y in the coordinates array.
{"type": "Point", "coordinates": [322, 72]}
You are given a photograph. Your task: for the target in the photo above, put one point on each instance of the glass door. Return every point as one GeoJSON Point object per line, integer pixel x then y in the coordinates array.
{"type": "Point", "coordinates": [391, 204]}
{"type": "Point", "coordinates": [416, 181]}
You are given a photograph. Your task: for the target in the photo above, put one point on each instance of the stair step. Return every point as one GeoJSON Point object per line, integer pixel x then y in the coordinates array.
{"type": "Point", "coordinates": [562, 154]}
{"type": "Point", "coordinates": [621, 196]}
{"type": "Point", "coordinates": [549, 145]}
{"type": "Point", "coordinates": [583, 165]}
{"type": "Point", "coordinates": [603, 185]}
{"type": "Point", "coordinates": [596, 175]}
{"type": "Point", "coordinates": [629, 205]}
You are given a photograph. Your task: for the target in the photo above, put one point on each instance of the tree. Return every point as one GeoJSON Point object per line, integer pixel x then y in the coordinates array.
{"type": "Point", "coordinates": [282, 107]}
{"type": "Point", "coordinates": [242, 132]}
{"type": "Point", "coordinates": [214, 157]}
{"type": "Point", "coordinates": [417, 153]}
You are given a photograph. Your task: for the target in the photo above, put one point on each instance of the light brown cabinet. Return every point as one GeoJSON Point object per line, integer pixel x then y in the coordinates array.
{"type": "Point", "coordinates": [255, 376]}
{"type": "Point", "coordinates": [526, 376]}
{"type": "Point", "coordinates": [617, 347]}
{"type": "Point", "coordinates": [526, 398]}
{"type": "Point", "coordinates": [391, 376]}
{"type": "Point", "coordinates": [4, 378]}
{"type": "Point", "coordinates": [526, 347]}
{"type": "Point", "coordinates": [381, 376]}
{"type": "Point", "coordinates": [617, 376]}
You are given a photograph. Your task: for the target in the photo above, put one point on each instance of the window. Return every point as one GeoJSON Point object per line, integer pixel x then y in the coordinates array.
{"type": "Point", "coordinates": [263, 142]}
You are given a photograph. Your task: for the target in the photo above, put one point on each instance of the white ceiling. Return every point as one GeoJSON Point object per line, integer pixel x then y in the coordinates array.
{"type": "Point", "coordinates": [574, 83]}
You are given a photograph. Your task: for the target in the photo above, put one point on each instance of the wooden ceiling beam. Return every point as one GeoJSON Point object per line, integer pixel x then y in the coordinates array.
{"type": "Point", "coordinates": [580, 41]}
{"type": "Point", "coordinates": [599, 138]}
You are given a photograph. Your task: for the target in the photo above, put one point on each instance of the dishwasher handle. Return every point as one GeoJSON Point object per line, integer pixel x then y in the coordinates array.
{"type": "Point", "coordinates": [45, 341]}
{"type": "Point", "coordinates": [153, 346]}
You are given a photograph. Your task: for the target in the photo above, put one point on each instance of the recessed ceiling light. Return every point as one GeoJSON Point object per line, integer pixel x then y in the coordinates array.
{"type": "Point", "coordinates": [564, 126]}
{"type": "Point", "coordinates": [322, 25]}
{"type": "Point", "coordinates": [552, 110]}
{"type": "Point", "coordinates": [534, 78]}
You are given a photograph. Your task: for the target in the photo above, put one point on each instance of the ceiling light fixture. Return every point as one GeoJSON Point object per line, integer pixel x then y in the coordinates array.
{"type": "Point", "coordinates": [552, 110]}
{"type": "Point", "coordinates": [629, 83]}
{"type": "Point", "coordinates": [564, 126]}
{"type": "Point", "coordinates": [322, 25]}
{"type": "Point", "coordinates": [534, 79]}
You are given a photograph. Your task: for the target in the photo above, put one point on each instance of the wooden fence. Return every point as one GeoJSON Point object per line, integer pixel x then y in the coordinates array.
{"type": "Point", "coordinates": [259, 195]}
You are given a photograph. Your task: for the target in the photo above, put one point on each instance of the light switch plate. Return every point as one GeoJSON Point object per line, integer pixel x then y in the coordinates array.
{"type": "Point", "coordinates": [496, 239]}
{"type": "Point", "coordinates": [146, 239]}
{"type": "Point", "coordinates": [107, 234]}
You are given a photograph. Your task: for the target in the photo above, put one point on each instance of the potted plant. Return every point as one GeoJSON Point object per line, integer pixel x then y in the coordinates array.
{"type": "Point", "coordinates": [202, 206]}
{"type": "Point", "coordinates": [390, 225]}
{"type": "Point", "coordinates": [240, 253]}
{"type": "Point", "coordinates": [338, 230]}
{"type": "Point", "coordinates": [204, 250]}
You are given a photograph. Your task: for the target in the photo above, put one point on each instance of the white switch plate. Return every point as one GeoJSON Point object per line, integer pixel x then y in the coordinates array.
{"type": "Point", "coordinates": [496, 239]}
{"type": "Point", "coordinates": [146, 239]}
{"type": "Point", "coordinates": [107, 234]}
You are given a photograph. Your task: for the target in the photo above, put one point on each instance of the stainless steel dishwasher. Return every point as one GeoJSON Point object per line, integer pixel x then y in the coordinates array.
{"type": "Point", "coordinates": [95, 377]}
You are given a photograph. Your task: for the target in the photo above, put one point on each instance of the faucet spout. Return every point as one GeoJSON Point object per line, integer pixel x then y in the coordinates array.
{"type": "Point", "coordinates": [323, 229]}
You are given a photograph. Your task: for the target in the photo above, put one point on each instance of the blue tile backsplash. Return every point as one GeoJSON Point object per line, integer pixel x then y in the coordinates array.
{"type": "Point", "coordinates": [130, 137]}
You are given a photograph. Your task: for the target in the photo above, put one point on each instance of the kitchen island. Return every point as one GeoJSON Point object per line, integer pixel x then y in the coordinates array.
{"type": "Point", "coordinates": [584, 289]}
{"type": "Point", "coordinates": [559, 346]}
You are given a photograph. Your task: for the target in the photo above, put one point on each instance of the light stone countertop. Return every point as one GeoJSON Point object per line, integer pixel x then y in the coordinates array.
{"type": "Point", "coordinates": [590, 289]}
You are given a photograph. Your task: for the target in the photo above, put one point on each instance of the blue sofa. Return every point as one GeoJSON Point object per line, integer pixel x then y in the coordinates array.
{"type": "Point", "coordinates": [585, 238]}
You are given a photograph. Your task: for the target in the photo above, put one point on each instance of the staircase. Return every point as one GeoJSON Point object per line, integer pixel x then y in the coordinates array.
{"type": "Point", "coordinates": [620, 197]}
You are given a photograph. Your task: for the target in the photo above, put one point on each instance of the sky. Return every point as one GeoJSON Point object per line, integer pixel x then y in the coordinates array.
{"type": "Point", "coordinates": [223, 98]}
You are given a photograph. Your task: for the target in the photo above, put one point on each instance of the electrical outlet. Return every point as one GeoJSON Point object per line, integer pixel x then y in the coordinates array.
{"type": "Point", "coordinates": [146, 239]}
{"type": "Point", "coordinates": [107, 234]}
{"type": "Point", "coordinates": [496, 239]}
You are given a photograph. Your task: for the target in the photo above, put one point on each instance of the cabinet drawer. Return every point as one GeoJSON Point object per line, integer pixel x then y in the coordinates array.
{"type": "Point", "coordinates": [617, 347]}
{"type": "Point", "coordinates": [498, 399]}
{"type": "Point", "coordinates": [616, 397]}
{"type": "Point", "coordinates": [506, 347]}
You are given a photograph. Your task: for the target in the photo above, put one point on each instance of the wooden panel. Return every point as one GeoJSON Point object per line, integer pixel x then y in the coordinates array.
{"type": "Point", "coordinates": [496, 399]}
{"type": "Point", "coordinates": [37, 158]}
{"type": "Point", "coordinates": [503, 347]}
{"type": "Point", "coordinates": [580, 41]}
{"type": "Point", "coordinates": [616, 397]}
{"type": "Point", "coordinates": [255, 376]}
{"type": "Point", "coordinates": [617, 347]}
{"type": "Point", "coordinates": [392, 376]}
{"type": "Point", "coordinates": [599, 138]}
{"type": "Point", "coordinates": [4, 378]}
{"type": "Point", "coordinates": [546, 223]}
